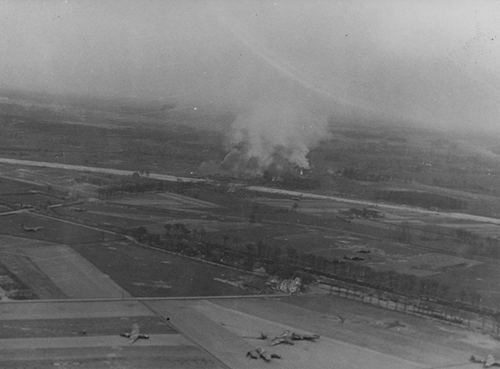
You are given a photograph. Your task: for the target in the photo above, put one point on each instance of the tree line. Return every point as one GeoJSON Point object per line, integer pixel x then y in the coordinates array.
{"type": "Point", "coordinates": [289, 262]}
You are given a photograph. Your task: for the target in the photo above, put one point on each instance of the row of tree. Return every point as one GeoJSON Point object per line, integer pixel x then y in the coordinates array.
{"type": "Point", "coordinates": [288, 262]}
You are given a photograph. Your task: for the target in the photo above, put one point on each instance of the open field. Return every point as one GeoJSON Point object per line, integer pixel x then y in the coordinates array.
{"type": "Point", "coordinates": [9, 186]}
{"type": "Point", "coordinates": [314, 355]}
{"type": "Point", "coordinates": [365, 339]}
{"type": "Point", "coordinates": [314, 227]}
{"type": "Point", "coordinates": [425, 265]}
{"type": "Point", "coordinates": [171, 355]}
{"type": "Point", "coordinates": [54, 270]}
{"type": "Point", "coordinates": [101, 213]}
{"type": "Point", "coordinates": [210, 226]}
{"type": "Point", "coordinates": [72, 327]}
{"type": "Point", "coordinates": [144, 272]}
{"type": "Point", "coordinates": [38, 200]}
{"type": "Point", "coordinates": [56, 338]}
{"type": "Point", "coordinates": [30, 275]}
{"type": "Point", "coordinates": [73, 275]}
{"type": "Point", "coordinates": [393, 199]}
{"type": "Point", "coordinates": [162, 201]}
{"type": "Point", "coordinates": [43, 258]}
{"type": "Point", "coordinates": [53, 230]}
{"type": "Point", "coordinates": [72, 309]}
{"type": "Point", "coordinates": [308, 206]}
{"type": "Point", "coordinates": [386, 337]}
{"type": "Point", "coordinates": [216, 333]}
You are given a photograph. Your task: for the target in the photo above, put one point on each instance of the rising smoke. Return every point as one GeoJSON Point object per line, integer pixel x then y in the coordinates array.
{"type": "Point", "coordinates": [273, 135]}
{"type": "Point", "coordinates": [282, 116]}
{"type": "Point", "coordinates": [268, 62]}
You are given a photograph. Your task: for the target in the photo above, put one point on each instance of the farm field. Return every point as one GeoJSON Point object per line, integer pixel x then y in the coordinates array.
{"type": "Point", "coordinates": [103, 214]}
{"type": "Point", "coordinates": [249, 185]}
{"type": "Point", "coordinates": [37, 200]}
{"type": "Point", "coordinates": [308, 206]}
{"type": "Point", "coordinates": [55, 271]}
{"type": "Point", "coordinates": [14, 186]}
{"type": "Point", "coordinates": [73, 275]}
{"type": "Point", "coordinates": [166, 200]}
{"type": "Point", "coordinates": [42, 259]}
{"type": "Point", "coordinates": [482, 278]}
{"type": "Point", "coordinates": [144, 272]}
{"type": "Point", "coordinates": [72, 198]}
{"type": "Point", "coordinates": [82, 225]}
{"type": "Point", "coordinates": [214, 228]}
{"type": "Point", "coordinates": [52, 230]}
{"type": "Point", "coordinates": [71, 327]}
{"type": "Point", "coordinates": [56, 338]}
{"type": "Point", "coordinates": [227, 220]}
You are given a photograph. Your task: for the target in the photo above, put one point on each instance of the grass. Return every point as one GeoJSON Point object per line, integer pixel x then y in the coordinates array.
{"type": "Point", "coordinates": [137, 269]}
{"type": "Point", "coordinates": [53, 230]}
{"type": "Point", "coordinates": [31, 328]}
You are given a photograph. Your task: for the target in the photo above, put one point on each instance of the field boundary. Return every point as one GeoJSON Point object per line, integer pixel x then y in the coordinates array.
{"type": "Point", "coordinates": [139, 299]}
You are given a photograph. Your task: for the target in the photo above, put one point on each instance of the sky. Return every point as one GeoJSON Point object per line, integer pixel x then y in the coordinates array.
{"type": "Point", "coordinates": [434, 62]}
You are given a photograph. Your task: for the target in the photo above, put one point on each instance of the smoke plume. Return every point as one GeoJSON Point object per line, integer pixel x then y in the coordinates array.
{"type": "Point", "coordinates": [268, 62]}
{"type": "Point", "coordinates": [277, 135]}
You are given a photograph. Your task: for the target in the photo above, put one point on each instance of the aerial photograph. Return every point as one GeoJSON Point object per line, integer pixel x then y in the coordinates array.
{"type": "Point", "coordinates": [220, 184]}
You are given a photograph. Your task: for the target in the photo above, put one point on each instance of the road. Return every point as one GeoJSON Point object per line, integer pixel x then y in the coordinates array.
{"type": "Point", "coordinates": [19, 211]}
{"type": "Point", "coordinates": [258, 189]}
{"type": "Point", "coordinates": [83, 168]}
{"type": "Point", "coordinates": [313, 196]}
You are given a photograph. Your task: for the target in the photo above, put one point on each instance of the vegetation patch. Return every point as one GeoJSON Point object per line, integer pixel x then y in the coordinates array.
{"type": "Point", "coordinates": [421, 199]}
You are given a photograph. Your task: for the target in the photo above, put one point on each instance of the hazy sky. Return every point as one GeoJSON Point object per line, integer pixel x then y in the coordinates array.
{"type": "Point", "coordinates": [431, 61]}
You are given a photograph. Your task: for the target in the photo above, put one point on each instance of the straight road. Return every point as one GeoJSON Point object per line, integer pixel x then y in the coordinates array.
{"type": "Point", "coordinates": [83, 168]}
{"type": "Point", "coordinates": [258, 189]}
